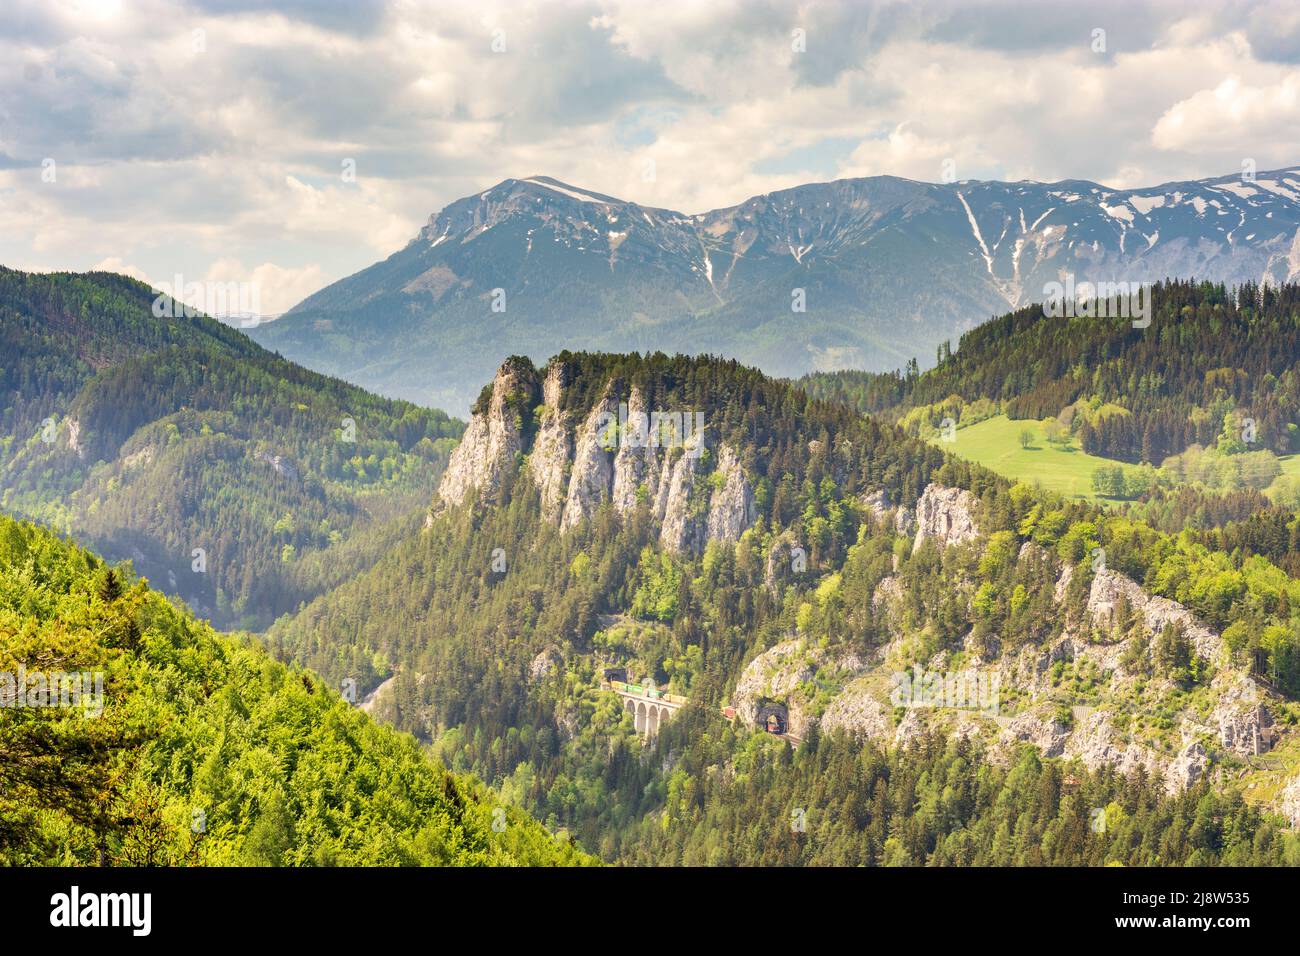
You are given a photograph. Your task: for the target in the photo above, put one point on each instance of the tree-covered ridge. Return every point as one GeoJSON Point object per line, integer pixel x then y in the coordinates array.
{"type": "Point", "coordinates": [793, 446]}
{"type": "Point", "coordinates": [58, 329]}
{"type": "Point", "coordinates": [206, 751]}
{"type": "Point", "coordinates": [500, 664]}
{"type": "Point", "coordinates": [1209, 353]}
{"type": "Point", "coordinates": [156, 437]}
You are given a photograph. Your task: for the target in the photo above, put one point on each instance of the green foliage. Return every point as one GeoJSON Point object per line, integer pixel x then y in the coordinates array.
{"type": "Point", "coordinates": [1121, 389]}
{"type": "Point", "coordinates": [206, 750]}
{"type": "Point", "coordinates": [941, 803]}
{"type": "Point", "coordinates": [656, 595]}
{"type": "Point", "coordinates": [566, 751]}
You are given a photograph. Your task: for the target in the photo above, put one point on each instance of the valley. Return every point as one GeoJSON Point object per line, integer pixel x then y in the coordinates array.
{"type": "Point", "coordinates": [487, 465]}
{"type": "Point", "coordinates": [236, 480]}
{"type": "Point", "coordinates": [678, 609]}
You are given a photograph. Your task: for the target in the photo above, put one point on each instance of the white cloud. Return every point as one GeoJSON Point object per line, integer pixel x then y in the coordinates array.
{"type": "Point", "coordinates": [114, 264]}
{"type": "Point", "coordinates": [278, 288]}
{"type": "Point", "coordinates": [1232, 114]}
{"type": "Point", "coordinates": [176, 160]}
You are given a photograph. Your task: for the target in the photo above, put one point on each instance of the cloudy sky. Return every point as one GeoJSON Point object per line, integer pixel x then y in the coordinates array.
{"type": "Point", "coordinates": [212, 138]}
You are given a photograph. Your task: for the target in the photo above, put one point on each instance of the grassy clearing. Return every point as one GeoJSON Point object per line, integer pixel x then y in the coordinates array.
{"type": "Point", "coordinates": [995, 444]}
{"type": "Point", "coordinates": [1290, 465]}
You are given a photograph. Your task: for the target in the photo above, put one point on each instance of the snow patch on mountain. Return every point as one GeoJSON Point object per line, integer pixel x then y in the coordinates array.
{"type": "Point", "coordinates": [1118, 212]}
{"type": "Point", "coordinates": [975, 229]}
{"type": "Point", "coordinates": [1278, 189]}
{"type": "Point", "coordinates": [564, 191]}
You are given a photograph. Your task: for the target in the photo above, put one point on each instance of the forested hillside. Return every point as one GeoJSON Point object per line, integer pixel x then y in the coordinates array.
{"type": "Point", "coordinates": [1193, 419]}
{"type": "Point", "coordinates": [803, 564]}
{"type": "Point", "coordinates": [229, 476]}
{"type": "Point", "coordinates": [198, 749]}
{"type": "Point", "coordinates": [1209, 353]}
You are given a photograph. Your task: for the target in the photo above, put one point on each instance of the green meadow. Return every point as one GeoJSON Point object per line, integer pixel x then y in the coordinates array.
{"type": "Point", "coordinates": [995, 443]}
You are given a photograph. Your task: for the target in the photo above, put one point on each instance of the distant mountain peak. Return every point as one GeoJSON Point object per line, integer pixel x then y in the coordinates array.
{"type": "Point", "coordinates": [852, 273]}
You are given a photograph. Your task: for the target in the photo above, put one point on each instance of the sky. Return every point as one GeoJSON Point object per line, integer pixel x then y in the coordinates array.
{"type": "Point", "coordinates": [288, 144]}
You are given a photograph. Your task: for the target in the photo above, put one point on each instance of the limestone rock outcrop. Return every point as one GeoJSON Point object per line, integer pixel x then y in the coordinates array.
{"type": "Point", "coordinates": [1187, 768]}
{"type": "Point", "coordinates": [74, 438]}
{"type": "Point", "coordinates": [1241, 718]}
{"type": "Point", "coordinates": [858, 712]}
{"type": "Point", "coordinates": [774, 675]}
{"type": "Point", "coordinates": [877, 502]}
{"type": "Point", "coordinates": [731, 506]}
{"type": "Point", "coordinates": [1096, 744]}
{"type": "Point", "coordinates": [616, 452]}
{"type": "Point", "coordinates": [281, 465]}
{"type": "Point", "coordinates": [637, 463]}
{"type": "Point", "coordinates": [544, 664]}
{"type": "Point", "coordinates": [552, 448]}
{"type": "Point", "coordinates": [1049, 736]}
{"type": "Point", "coordinates": [591, 476]}
{"type": "Point", "coordinates": [1289, 804]}
{"type": "Point", "coordinates": [947, 515]}
{"type": "Point", "coordinates": [911, 729]}
{"type": "Point", "coordinates": [678, 532]}
{"type": "Point", "coordinates": [1156, 613]}
{"type": "Point", "coordinates": [785, 560]}
{"type": "Point", "coordinates": [488, 449]}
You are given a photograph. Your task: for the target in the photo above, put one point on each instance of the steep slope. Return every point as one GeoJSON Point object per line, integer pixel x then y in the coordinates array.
{"type": "Point", "coordinates": [184, 747]}
{"type": "Point", "coordinates": [230, 476]}
{"type": "Point", "coordinates": [860, 273]}
{"type": "Point", "coordinates": [824, 577]}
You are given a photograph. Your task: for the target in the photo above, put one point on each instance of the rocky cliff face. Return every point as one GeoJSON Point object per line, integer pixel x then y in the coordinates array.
{"type": "Point", "coordinates": [731, 506]}
{"type": "Point", "coordinates": [857, 712]}
{"type": "Point", "coordinates": [618, 451]}
{"type": "Point", "coordinates": [1290, 802]}
{"type": "Point", "coordinates": [636, 464]}
{"type": "Point", "coordinates": [1242, 718]}
{"type": "Point", "coordinates": [1156, 613]}
{"type": "Point", "coordinates": [74, 438]}
{"type": "Point", "coordinates": [281, 465]}
{"type": "Point", "coordinates": [591, 475]}
{"type": "Point", "coordinates": [947, 515]}
{"type": "Point", "coordinates": [486, 453]}
{"type": "Point", "coordinates": [552, 449]}
{"type": "Point", "coordinates": [785, 560]}
{"type": "Point", "coordinates": [1233, 720]}
{"type": "Point", "coordinates": [775, 676]}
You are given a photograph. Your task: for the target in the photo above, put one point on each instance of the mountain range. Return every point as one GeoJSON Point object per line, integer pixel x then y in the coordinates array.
{"type": "Point", "coordinates": [858, 273]}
